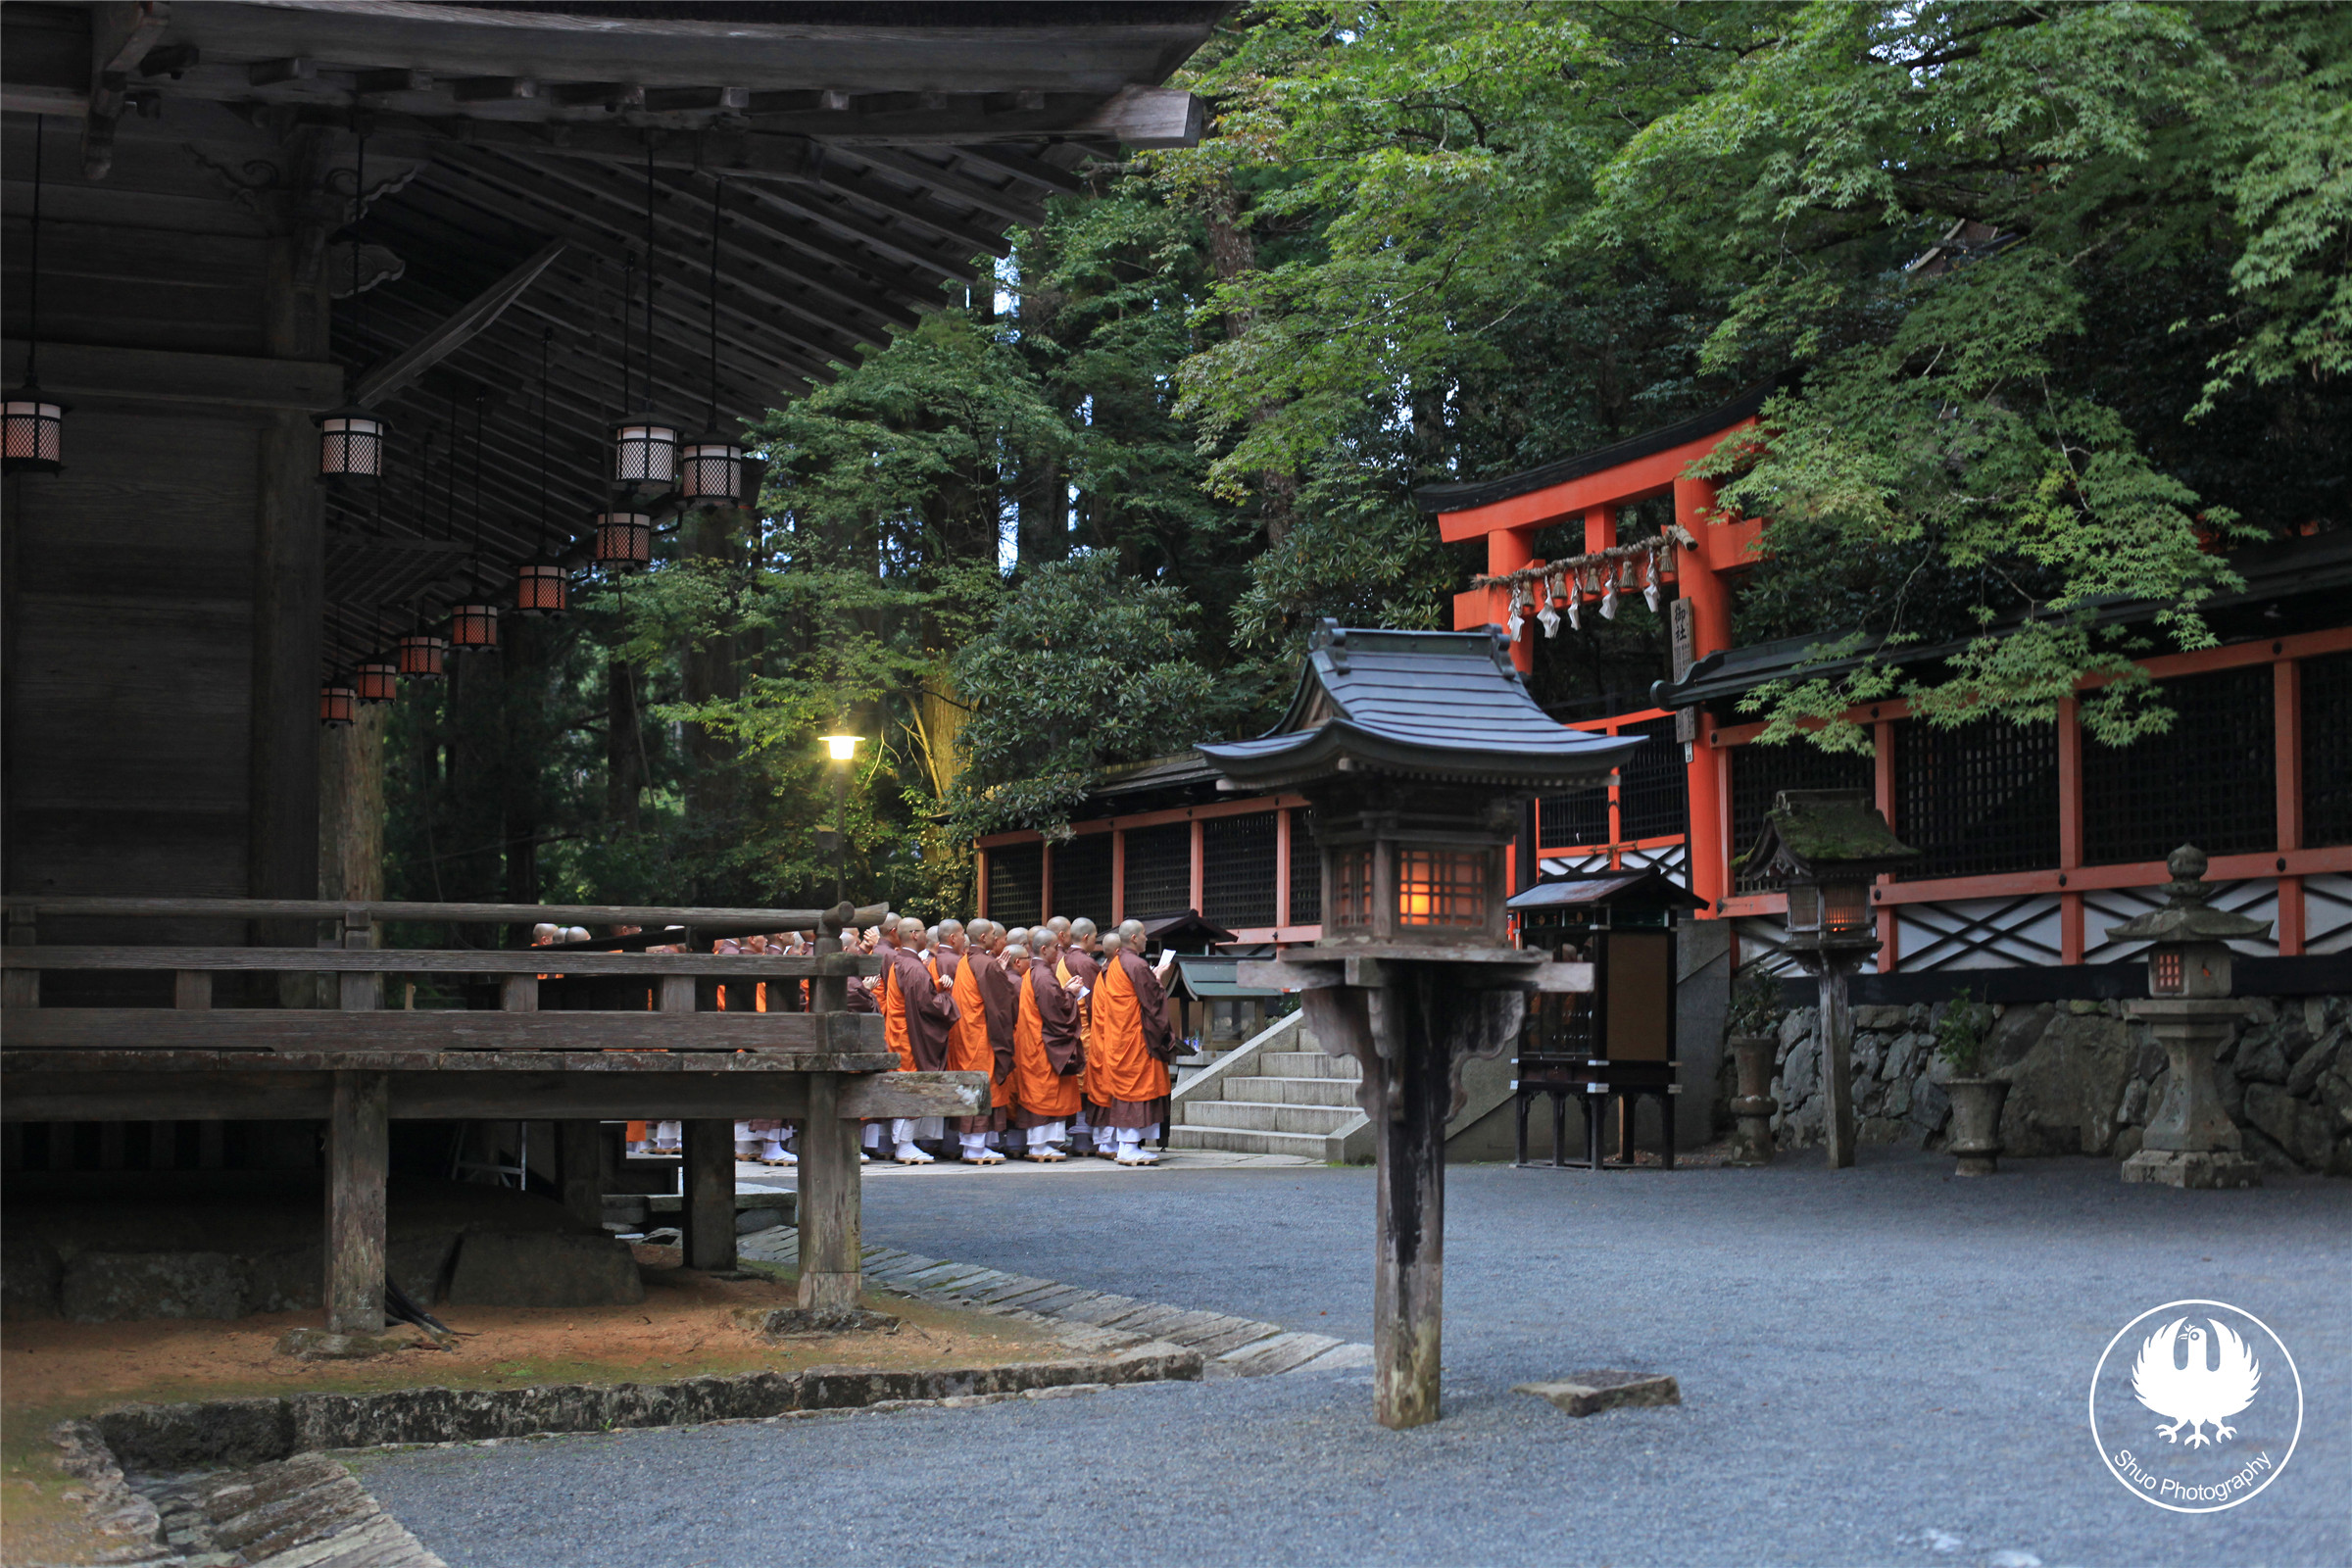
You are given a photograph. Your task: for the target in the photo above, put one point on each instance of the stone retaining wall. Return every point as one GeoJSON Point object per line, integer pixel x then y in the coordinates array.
{"type": "Point", "coordinates": [2084, 1080]}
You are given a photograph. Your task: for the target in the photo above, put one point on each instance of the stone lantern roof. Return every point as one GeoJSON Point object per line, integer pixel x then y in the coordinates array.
{"type": "Point", "coordinates": [1809, 833]}
{"type": "Point", "coordinates": [1437, 706]}
{"type": "Point", "coordinates": [2187, 917]}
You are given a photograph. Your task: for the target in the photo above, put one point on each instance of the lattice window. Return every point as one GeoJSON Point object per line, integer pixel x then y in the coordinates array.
{"type": "Point", "coordinates": [1307, 872]}
{"type": "Point", "coordinates": [1082, 879]}
{"type": "Point", "coordinates": [1237, 870]}
{"type": "Point", "coordinates": [1759, 773]}
{"type": "Point", "coordinates": [1572, 821]}
{"type": "Point", "coordinates": [1653, 797]}
{"type": "Point", "coordinates": [1016, 883]}
{"type": "Point", "coordinates": [1352, 887]}
{"type": "Point", "coordinates": [2211, 781]}
{"type": "Point", "coordinates": [1977, 800]}
{"type": "Point", "coordinates": [2328, 750]}
{"type": "Point", "coordinates": [1159, 870]}
{"type": "Point", "coordinates": [1442, 887]}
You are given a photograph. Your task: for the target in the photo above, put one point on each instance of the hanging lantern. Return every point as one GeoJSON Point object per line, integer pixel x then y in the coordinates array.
{"type": "Point", "coordinates": [351, 445]}
{"type": "Point", "coordinates": [473, 627]}
{"type": "Point", "coordinates": [710, 470]}
{"type": "Point", "coordinates": [32, 431]}
{"type": "Point", "coordinates": [376, 680]}
{"type": "Point", "coordinates": [645, 450]}
{"type": "Point", "coordinates": [423, 656]}
{"type": "Point", "coordinates": [335, 698]}
{"type": "Point", "coordinates": [623, 539]}
{"type": "Point", "coordinates": [542, 588]}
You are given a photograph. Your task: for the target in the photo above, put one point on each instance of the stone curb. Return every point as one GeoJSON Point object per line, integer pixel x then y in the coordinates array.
{"type": "Point", "coordinates": [256, 1430]}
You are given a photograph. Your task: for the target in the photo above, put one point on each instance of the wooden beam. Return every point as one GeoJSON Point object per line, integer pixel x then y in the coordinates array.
{"type": "Point", "coordinates": [1147, 117]}
{"type": "Point", "coordinates": [121, 32]}
{"type": "Point", "coordinates": [439, 344]}
{"type": "Point", "coordinates": [580, 1168]}
{"type": "Point", "coordinates": [1014, 205]}
{"type": "Point", "coordinates": [1021, 165]}
{"type": "Point", "coordinates": [830, 1202]}
{"type": "Point", "coordinates": [874, 236]}
{"type": "Point", "coordinates": [301, 1031]}
{"type": "Point", "coordinates": [125, 378]}
{"type": "Point", "coordinates": [359, 1151]}
{"type": "Point", "coordinates": [307, 1096]}
{"type": "Point", "coordinates": [524, 962]}
{"type": "Point", "coordinates": [914, 1093]}
{"type": "Point", "coordinates": [719, 922]}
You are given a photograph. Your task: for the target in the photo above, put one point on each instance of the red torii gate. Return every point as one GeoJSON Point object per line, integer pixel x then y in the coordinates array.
{"type": "Point", "coordinates": [1509, 513]}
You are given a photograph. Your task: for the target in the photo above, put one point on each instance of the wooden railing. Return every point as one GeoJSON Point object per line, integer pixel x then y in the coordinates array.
{"type": "Point", "coordinates": [358, 1021]}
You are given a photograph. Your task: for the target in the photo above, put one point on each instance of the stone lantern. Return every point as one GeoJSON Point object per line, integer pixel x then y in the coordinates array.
{"type": "Point", "coordinates": [1826, 848]}
{"type": "Point", "coordinates": [1415, 750]}
{"type": "Point", "coordinates": [2191, 1141]}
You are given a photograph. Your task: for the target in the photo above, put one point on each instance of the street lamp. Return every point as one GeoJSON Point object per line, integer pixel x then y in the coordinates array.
{"type": "Point", "coordinates": [839, 749]}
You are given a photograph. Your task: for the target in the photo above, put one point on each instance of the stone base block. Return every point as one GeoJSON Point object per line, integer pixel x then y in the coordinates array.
{"type": "Point", "coordinates": [544, 1268]}
{"type": "Point", "coordinates": [1582, 1394]}
{"type": "Point", "coordinates": [800, 1322]}
{"type": "Point", "coordinates": [2169, 1167]}
{"type": "Point", "coordinates": [320, 1345]}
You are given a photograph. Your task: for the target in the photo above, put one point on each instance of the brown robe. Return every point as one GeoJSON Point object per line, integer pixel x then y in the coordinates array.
{"type": "Point", "coordinates": [1127, 1069]}
{"type": "Point", "coordinates": [1081, 967]}
{"type": "Point", "coordinates": [1000, 1001]}
{"type": "Point", "coordinates": [1045, 1082]}
{"type": "Point", "coordinates": [929, 1010]}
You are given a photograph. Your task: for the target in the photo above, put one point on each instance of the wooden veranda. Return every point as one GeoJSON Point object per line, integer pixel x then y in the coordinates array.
{"type": "Point", "coordinates": [357, 1066]}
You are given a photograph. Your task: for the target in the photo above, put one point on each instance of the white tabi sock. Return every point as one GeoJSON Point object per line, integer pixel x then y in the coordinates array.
{"type": "Point", "coordinates": [973, 1143]}
{"type": "Point", "coordinates": [873, 1135]}
{"type": "Point", "coordinates": [901, 1131]}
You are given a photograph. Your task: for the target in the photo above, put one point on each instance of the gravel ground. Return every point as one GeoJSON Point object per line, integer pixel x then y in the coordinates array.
{"type": "Point", "coordinates": [1883, 1365]}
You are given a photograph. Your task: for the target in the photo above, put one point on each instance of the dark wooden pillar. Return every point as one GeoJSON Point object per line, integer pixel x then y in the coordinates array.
{"type": "Point", "coordinates": [1408, 1281]}
{"type": "Point", "coordinates": [709, 1204]}
{"type": "Point", "coordinates": [358, 1149]}
{"type": "Point", "coordinates": [580, 1164]}
{"type": "Point", "coordinates": [830, 1199]}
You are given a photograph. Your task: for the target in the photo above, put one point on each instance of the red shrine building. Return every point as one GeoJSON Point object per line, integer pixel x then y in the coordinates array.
{"type": "Point", "coordinates": [2036, 839]}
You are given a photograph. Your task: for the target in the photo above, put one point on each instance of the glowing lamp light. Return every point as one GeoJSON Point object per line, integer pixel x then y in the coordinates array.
{"type": "Point", "coordinates": [32, 431]}
{"type": "Point", "coordinates": [376, 680]}
{"type": "Point", "coordinates": [423, 656]}
{"type": "Point", "coordinates": [842, 748]}
{"type": "Point", "coordinates": [542, 588]}
{"type": "Point", "coordinates": [335, 700]}
{"type": "Point", "coordinates": [645, 450]}
{"type": "Point", "coordinates": [351, 445]}
{"type": "Point", "coordinates": [623, 539]}
{"type": "Point", "coordinates": [473, 628]}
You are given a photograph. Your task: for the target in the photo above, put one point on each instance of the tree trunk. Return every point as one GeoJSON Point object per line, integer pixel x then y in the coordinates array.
{"type": "Point", "coordinates": [1232, 252]}
{"type": "Point", "coordinates": [624, 746]}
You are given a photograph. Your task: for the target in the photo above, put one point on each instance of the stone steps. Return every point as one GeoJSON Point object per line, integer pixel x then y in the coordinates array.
{"type": "Point", "coordinates": [1248, 1141]}
{"type": "Point", "coordinates": [1307, 1064]}
{"type": "Point", "coordinates": [1268, 1117]}
{"type": "Point", "coordinates": [1292, 1091]}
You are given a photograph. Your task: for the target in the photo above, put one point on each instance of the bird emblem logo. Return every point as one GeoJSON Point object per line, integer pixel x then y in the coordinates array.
{"type": "Point", "coordinates": [2195, 1381]}
{"type": "Point", "coordinates": [2225, 1395]}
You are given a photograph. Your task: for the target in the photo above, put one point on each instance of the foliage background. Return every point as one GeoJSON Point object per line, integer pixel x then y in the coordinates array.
{"type": "Point", "coordinates": [1088, 520]}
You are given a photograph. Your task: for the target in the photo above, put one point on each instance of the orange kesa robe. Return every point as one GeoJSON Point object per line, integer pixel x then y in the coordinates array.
{"type": "Point", "coordinates": [1045, 1055]}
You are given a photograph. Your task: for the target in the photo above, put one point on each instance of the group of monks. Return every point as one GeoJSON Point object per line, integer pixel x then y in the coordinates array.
{"type": "Point", "coordinates": [1070, 1026]}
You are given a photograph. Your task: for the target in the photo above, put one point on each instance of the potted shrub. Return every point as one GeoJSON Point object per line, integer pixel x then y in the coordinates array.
{"type": "Point", "coordinates": [1753, 1030]}
{"type": "Point", "coordinates": [1960, 1036]}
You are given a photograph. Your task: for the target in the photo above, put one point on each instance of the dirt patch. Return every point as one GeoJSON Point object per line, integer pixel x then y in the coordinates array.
{"type": "Point", "coordinates": [689, 1324]}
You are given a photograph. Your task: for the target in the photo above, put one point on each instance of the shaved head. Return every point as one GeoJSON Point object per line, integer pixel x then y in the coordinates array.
{"type": "Point", "coordinates": [910, 932]}
{"type": "Point", "coordinates": [1132, 930]}
{"type": "Point", "coordinates": [1060, 926]}
{"type": "Point", "coordinates": [1041, 937]}
{"type": "Point", "coordinates": [1111, 944]}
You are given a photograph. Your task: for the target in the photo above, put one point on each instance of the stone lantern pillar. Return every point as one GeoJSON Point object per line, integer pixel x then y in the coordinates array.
{"type": "Point", "coordinates": [1826, 847]}
{"type": "Point", "coordinates": [2191, 1141]}
{"type": "Point", "coordinates": [1415, 750]}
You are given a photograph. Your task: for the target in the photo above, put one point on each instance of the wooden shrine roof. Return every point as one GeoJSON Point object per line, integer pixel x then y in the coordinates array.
{"type": "Point", "coordinates": [859, 165]}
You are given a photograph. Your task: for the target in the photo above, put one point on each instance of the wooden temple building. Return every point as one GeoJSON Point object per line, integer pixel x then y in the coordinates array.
{"type": "Point", "coordinates": [507, 260]}
{"type": "Point", "coordinates": [2034, 839]}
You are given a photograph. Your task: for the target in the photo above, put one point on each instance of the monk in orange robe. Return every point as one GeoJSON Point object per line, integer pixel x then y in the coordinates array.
{"type": "Point", "coordinates": [1127, 1063]}
{"type": "Point", "coordinates": [1047, 1056]}
{"type": "Point", "coordinates": [1078, 965]}
{"type": "Point", "coordinates": [917, 1015]}
{"type": "Point", "coordinates": [972, 1046]}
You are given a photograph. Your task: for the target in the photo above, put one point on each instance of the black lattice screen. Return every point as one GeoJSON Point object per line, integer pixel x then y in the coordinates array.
{"type": "Point", "coordinates": [1237, 870]}
{"type": "Point", "coordinates": [1082, 879]}
{"type": "Point", "coordinates": [1307, 872]}
{"type": "Point", "coordinates": [1759, 773]}
{"type": "Point", "coordinates": [2328, 750]}
{"type": "Point", "coordinates": [1017, 878]}
{"type": "Point", "coordinates": [1159, 870]}
{"type": "Point", "coordinates": [1977, 800]}
{"type": "Point", "coordinates": [1654, 788]}
{"type": "Point", "coordinates": [1571, 820]}
{"type": "Point", "coordinates": [2211, 781]}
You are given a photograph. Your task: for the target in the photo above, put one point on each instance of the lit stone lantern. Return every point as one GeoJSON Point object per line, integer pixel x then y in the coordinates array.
{"type": "Point", "coordinates": [1415, 750]}
{"type": "Point", "coordinates": [2191, 1141]}
{"type": "Point", "coordinates": [1826, 848]}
